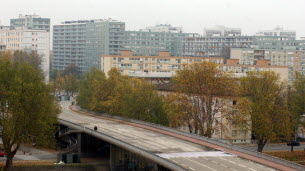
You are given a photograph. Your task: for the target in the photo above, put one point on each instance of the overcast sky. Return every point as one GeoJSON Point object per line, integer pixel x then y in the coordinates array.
{"type": "Point", "coordinates": [192, 15]}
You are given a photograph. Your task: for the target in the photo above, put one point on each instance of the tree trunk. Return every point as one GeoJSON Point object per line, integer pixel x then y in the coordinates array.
{"type": "Point", "coordinates": [10, 156]}
{"type": "Point", "coordinates": [260, 145]}
{"type": "Point", "coordinates": [9, 161]}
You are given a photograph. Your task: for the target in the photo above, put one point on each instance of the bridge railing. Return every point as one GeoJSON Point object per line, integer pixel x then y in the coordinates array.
{"type": "Point", "coordinates": [161, 161]}
{"type": "Point", "coordinates": [209, 140]}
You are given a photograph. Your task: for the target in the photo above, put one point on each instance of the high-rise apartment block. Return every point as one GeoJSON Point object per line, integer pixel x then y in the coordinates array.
{"type": "Point", "coordinates": [32, 22]}
{"type": "Point", "coordinates": [221, 31]}
{"type": "Point", "coordinates": [82, 42]}
{"type": "Point", "coordinates": [143, 43]}
{"type": "Point", "coordinates": [278, 31]}
{"type": "Point", "coordinates": [28, 40]}
{"type": "Point", "coordinates": [163, 28]}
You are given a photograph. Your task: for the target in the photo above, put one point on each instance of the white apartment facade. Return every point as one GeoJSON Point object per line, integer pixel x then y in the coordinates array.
{"type": "Point", "coordinates": [28, 40]}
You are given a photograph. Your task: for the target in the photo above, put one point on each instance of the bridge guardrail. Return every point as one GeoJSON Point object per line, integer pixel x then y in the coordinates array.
{"type": "Point", "coordinates": [209, 140]}
{"type": "Point", "coordinates": [164, 162]}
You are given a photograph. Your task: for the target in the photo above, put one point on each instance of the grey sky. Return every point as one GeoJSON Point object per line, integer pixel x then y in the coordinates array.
{"type": "Point", "coordinates": [192, 15]}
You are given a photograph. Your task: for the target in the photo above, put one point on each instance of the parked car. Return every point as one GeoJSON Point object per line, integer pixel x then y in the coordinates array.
{"type": "Point", "coordinates": [293, 143]}
{"type": "Point", "coordinates": [2, 154]}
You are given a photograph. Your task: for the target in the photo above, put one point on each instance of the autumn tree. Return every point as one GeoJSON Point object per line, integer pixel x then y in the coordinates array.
{"type": "Point", "coordinates": [135, 98]}
{"type": "Point", "coordinates": [28, 110]}
{"type": "Point", "coordinates": [264, 100]}
{"type": "Point", "coordinates": [297, 100]}
{"type": "Point", "coordinates": [208, 89]}
{"type": "Point", "coordinates": [180, 111]}
{"type": "Point", "coordinates": [120, 95]}
{"type": "Point", "coordinates": [88, 89]}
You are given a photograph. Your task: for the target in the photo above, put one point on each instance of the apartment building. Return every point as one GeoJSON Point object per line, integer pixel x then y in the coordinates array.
{"type": "Point", "coordinates": [167, 28]}
{"type": "Point", "coordinates": [130, 64]}
{"type": "Point", "coordinates": [82, 42]}
{"type": "Point", "coordinates": [32, 22]}
{"type": "Point", "coordinates": [293, 59]}
{"type": "Point", "coordinates": [221, 31]}
{"type": "Point", "coordinates": [213, 46]}
{"type": "Point", "coordinates": [26, 39]}
{"type": "Point", "coordinates": [165, 66]}
{"type": "Point", "coordinates": [278, 31]}
{"type": "Point", "coordinates": [151, 40]}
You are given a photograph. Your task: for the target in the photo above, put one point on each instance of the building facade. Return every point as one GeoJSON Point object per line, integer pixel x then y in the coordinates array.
{"type": "Point", "coordinates": [221, 31]}
{"type": "Point", "coordinates": [82, 42]}
{"type": "Point", "coordinates": [166, 66]}
{"type": "Point", "coordinates": [32, 22]}
{"type": "Point", "coordinates": [2, 47]}
{"type": "Point", "coordinates": [214, 46]}
{"type": "Point", "coordinates": [28, 40]}
{"type": "Point", "coordinates": [129, 64]}
{"type": "Point", "coordinates": [278, 31]}
{"type": "Point", "coordinates": [293, 59]}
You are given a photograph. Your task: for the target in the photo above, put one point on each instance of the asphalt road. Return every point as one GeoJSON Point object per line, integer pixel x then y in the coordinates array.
{"type": "Point", "coordinates": [184, 153]}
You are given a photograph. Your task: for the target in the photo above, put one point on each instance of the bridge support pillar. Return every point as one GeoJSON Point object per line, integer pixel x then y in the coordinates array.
{"type": "Point", "coordinates": [79, 145]}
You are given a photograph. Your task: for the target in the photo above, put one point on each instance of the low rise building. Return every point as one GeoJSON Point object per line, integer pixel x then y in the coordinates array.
{"type": "Point", "coordinates": [130, 64]}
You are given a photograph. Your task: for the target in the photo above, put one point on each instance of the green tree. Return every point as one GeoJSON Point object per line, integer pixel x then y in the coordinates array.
{"type": "Point", "coordinates": [297, 100]}
{"type": "Point", "coordinates": [59, 82]}
{"type": "Point", "coordinates": [88, 89]}
{"type": "Point", "coordinates": [72, 69]}
{"type": "Point", "coordinates": [135, 98]}
{"type": "Point", "coordinates": [71, 84]}
{"type": "Point", "coordinates": [32, 58]}
{"type": "Point", "coordinates": [265, 102]}
{"type": "Point", "coordinates": [28, 110]}
{"type": "Point", "coordinates": [208, 90]}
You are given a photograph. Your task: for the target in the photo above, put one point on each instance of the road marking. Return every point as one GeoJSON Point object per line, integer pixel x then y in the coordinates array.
{"type": "Point", "coordinates": [214, 162]}
{"type": "Point", "coordinates": [242, 165]}
{"type": "Point", "coordinates": [271, 169]}
{"type": "Point", "coordinates": [233, 169]}
{"type": "Point", "coordinates": [200, 164]}
{"type": "Point", "coordinates": [252, 169]}
{"type": "Point", "coordinates": [231, 161]}
{"type": "Point", "coordinates": [223, 165]}
{"type": "Point", "coordinates": [175, 161]}
{"type": "Point", "coordinates": [191, 168]}
{"type": "Point", "coordinates": [183, 164]}
{"type": "Point", "coordinates": [222, 158]}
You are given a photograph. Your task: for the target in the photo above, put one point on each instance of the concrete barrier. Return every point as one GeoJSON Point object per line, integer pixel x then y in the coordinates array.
{"type": "Point", "coordinates": [209, 140]}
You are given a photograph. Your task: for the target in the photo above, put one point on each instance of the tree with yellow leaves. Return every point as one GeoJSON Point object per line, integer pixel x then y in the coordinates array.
{"type": "Point", "coordinates": [265, 102]}
{"type": "Point", "coordinates": [208, 90]}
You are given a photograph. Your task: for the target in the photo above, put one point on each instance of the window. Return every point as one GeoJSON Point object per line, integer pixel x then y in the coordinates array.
{"type": "Point", "coordinates": [234, 133]}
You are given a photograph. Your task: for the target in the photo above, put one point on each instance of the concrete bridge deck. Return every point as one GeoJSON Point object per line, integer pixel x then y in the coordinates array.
{"type": "Point", "coordinates": [186, 154]}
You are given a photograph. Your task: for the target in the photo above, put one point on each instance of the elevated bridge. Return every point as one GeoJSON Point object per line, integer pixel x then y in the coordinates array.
{"type": "Point", "coordinates": [169, 148]}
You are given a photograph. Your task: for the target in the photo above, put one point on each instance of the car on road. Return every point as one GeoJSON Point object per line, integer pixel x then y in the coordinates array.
{"type": "Point", "coordinates": [293, 143]}
{"type": "Point", "coordinates": [2, 154]}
